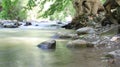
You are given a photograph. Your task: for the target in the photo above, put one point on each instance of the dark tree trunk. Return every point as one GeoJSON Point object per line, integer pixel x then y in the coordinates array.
{"type": "Point", "coordinates": [84, 8]}
{"type": "Point", "coordinates": [118, 18]}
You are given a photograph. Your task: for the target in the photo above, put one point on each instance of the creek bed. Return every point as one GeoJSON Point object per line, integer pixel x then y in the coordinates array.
{"type": "Point", "coordinates": [18, 49]}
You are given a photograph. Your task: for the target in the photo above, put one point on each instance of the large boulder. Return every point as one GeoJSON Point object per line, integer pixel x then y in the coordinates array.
{"type": "Point", "coordinates": [79, 43]}
{"type": "Point", "coordinates": [50, 44]}
{"type": "Point", "coordinates": [85, 30]}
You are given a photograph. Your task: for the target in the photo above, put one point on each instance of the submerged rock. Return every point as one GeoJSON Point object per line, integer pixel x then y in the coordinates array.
{"type": "Point", "coordinates": [10, 26]}
{"type": "Point", "coordinates": [115, 53]}
{"type": "Point", "coordinates": [85, 30]}
{"type": "Point", "coordinates": [91, 37]}
{"type": "Point", "coordinates": [79, 43]}
{"type": "Point", "coordinates": [50, 44]}
{"type": "Point", "coordinates": [67, 35]}
{"type": "Point", "coordinates": [59, 22]}
{"type": "Point", "coordinates": [113, 58]}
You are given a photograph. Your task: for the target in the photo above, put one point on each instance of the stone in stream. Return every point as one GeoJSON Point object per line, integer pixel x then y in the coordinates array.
{"type": "Point", "coordinates": [85, 30]}
{"type": "Point", "coordinates": [116, 38]}
{"type": "Point", "coordinates": [113, 58]}
{"type": "Point", "coordinates": [17, 24]}
{"type": "Point", "coordinates": [28, 23]}
{"type": "Point", "coordinates": [115, 53]}
{"type": "Point", "coordinates": [10, 26]}
{"type": "Point", "coordinates": [67, 35]}
{"type": "Point", "coordinates": [59, 22]}
{"type": "Point", "coordinates": [50, 44]}
{"type": "Point", "coordinates": [79, 44]}
{"type": "Point", "coordinates": [36, 25]}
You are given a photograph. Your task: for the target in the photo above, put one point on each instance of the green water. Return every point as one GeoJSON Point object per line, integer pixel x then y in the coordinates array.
{"type": "Point", "coordinates": [18, 49]}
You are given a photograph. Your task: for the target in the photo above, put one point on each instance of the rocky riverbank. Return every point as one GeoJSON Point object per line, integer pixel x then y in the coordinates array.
{"type": "Point", "coordinates": [102, 38]}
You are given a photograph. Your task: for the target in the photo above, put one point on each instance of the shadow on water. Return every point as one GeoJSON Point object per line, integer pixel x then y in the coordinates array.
{"type": "Point", "coordinates": [18, 49]}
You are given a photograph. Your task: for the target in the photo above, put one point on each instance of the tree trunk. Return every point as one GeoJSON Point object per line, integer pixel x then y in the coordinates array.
{"type": "Point", "coordinates": [84, 9]}
{"type": "Point", "coordinates": [118, 18]}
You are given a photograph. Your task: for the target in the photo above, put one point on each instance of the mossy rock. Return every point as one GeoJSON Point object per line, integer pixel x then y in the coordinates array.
{"type": "Point", "coordinates": [109, 56]}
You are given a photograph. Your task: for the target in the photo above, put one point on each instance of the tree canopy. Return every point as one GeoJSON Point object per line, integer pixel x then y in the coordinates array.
{"type": "Point", "coordinates": [16, 9]}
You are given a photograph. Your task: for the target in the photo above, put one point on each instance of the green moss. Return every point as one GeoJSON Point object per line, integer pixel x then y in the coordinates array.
{"type": "Point", "coordinates": [109, 56]}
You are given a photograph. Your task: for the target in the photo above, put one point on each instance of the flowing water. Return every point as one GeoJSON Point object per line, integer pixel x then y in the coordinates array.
{"type": "Point", "coordinates": [18, 48]}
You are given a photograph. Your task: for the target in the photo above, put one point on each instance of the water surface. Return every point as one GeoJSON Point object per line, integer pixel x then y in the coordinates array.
{"type": "Point", "coordinates": [18, 49]}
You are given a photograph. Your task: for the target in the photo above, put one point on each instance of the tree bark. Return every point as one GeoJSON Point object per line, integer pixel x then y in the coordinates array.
{"type": "Point", "coordinates": [118, 19]}
{"type": "Point", "coordinates": [84, 9]}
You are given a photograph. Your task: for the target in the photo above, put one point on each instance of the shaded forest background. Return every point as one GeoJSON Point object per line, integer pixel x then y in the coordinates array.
{"type": "Point", "coordinates": [21, 10]}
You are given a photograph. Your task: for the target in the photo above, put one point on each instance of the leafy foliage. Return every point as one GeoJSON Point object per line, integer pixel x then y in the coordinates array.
{"type": "Point", "coordinates": [12, 9]}
{"type": "Point", "coordinates": [103, 1]}
{"type": "Point", "coordinates": [56, 7]}
{"type": "Point", "coordinates": [30, 4]}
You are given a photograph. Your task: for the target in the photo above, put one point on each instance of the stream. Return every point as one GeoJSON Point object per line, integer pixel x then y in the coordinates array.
{"type": "Point", "coordinates": [18, 48]}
